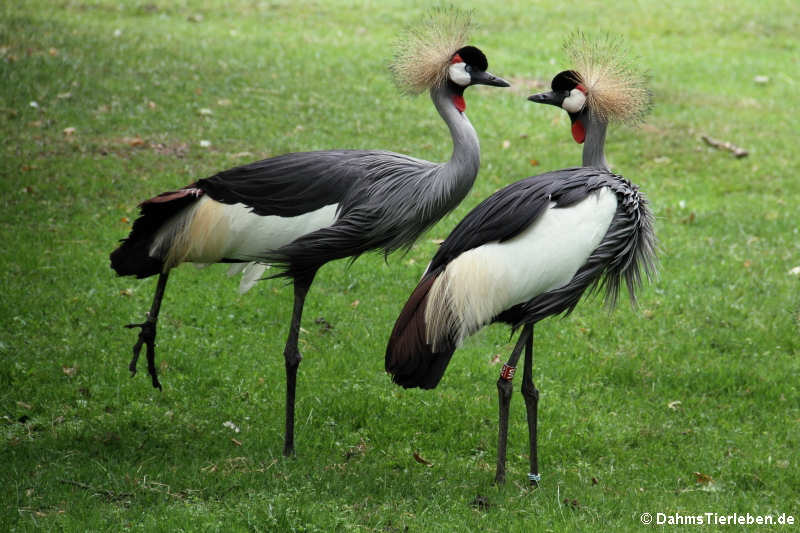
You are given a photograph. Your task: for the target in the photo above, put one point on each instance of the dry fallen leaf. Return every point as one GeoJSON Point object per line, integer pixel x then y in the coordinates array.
{"type": "Point", "coordinates": [236, 442]}
{"type": "Point", "coordinates": [25, 405]}
{"type": "Point", "coordinates": [420, 460]}
{"type": "Point", "coordinates": [134, 141]}
{"type": "Point", "coordinates": [53, 52]}
{"type": "Point", "coordinates": [69, 370]}
{"type": "Point", "coordinates": [495, 360]}
{"type": "Point", "coordinates": [534, 162]}
{"type": "Point", "coordinates": [674, 405]}
{"type": "Point", "coordinates": [506, 144]}
{"type": "Point", "coordinates": [69, 131]}
{"type": "Point", "coordinates": [795, 271]}
{"type": "Point", "coordinates": [126, 292]}
{"type": "Point", "coordinates": [355, 303]}
{"type": "Point", "coordinates": [703, 479]}
{"type": "Point", "coordinates": [151, 104]}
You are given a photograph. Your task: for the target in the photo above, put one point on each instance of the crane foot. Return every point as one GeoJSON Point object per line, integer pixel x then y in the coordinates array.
{"type": "Point", "coordinates": [147, 336]}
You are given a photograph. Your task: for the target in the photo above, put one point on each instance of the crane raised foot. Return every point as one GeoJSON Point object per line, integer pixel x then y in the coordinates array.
{"type": "Point", "coordinates": [147, 335]}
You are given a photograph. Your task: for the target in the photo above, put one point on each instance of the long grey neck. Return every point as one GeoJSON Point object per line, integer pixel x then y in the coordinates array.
{"type": "Point", "coordinates": [454, 178]}
{"type": "Point", "coordinates": [594, 144]}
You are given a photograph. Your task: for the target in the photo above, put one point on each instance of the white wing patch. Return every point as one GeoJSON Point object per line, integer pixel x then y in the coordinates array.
{"type": "Point", "coordinates": [250, 236]}
{"type": "Point", "coordinates": [210, 231]}
{"type": "Point", "coordinates": [485, 281]}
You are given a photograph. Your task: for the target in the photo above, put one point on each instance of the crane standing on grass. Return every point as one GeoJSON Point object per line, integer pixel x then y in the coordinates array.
{"type": "Point", "coordinates": [302, 210]}
{"type": "Point", "coordinates": [533, 248]}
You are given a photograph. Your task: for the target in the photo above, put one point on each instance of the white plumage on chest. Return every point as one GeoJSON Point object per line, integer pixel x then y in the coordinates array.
{"type": "Point", "coordinates": [485, 281]}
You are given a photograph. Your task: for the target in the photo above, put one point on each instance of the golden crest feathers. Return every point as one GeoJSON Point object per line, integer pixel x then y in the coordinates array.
{"type": "Point", "coordinates": [424, 52]}
{"type": "Point", "coordinates": [615, 90]}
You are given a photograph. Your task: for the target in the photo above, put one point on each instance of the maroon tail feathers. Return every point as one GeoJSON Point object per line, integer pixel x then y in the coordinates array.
{"type": "Point", "coordinates": [132, 257]}
{"type": "Point", "coordinates": [409, 359]}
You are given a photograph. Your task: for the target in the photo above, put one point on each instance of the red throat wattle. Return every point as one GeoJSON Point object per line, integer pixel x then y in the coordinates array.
{"type": "Point", "coordinates": [578, 132]}
{"type": "Point", "coordinates": [459, 102]}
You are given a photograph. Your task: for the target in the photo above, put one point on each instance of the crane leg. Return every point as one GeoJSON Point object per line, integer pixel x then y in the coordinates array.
{"type": "Point", "coordinates": [504, 389]}
{"type": "Point", "coordinates": [531, 395]}
{"type": "Point", "coordinates": [292, 358]}
{"type": "Point", "coordinates": [147, 335]}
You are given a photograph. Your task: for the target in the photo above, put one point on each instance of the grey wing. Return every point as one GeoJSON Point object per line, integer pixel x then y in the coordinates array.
{"type": "Point", "coordinates": [380, 210]}
{"type": "Point", "coordinates": [297, 183]}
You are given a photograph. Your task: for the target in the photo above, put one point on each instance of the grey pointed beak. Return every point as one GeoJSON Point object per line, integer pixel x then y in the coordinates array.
{"type": "Point", "coordinates": [487, 78]}
{"type": "Point", "coordinates": [551, 98]}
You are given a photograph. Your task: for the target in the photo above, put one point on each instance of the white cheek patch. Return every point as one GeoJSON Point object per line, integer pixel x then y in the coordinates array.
{"type": "Point", "coordinates": [458, 74]}
{"type": "Point", "coordinates": [574, 102]}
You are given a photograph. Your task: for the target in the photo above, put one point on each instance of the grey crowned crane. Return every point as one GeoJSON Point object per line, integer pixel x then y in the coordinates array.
{"type": "Point", "coordinates": [299, 211]}
{"type": "Point", "coordinates": [533, 248]}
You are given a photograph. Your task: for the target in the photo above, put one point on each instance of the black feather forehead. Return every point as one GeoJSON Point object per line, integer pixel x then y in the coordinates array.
{"type": "Point", "coordinates": [565, 81]}
{"type": "Point", "coordinates": [473, 57]}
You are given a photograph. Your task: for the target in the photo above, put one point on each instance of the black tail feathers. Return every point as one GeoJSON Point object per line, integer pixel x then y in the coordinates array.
{"type": "Point", "coordinates": [132, 257]}
{"type": "Point", "coordinates": [409, 358]}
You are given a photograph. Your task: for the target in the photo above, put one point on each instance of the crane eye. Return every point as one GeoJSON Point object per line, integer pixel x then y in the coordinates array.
{"type": "Point", "coordinates": [468, 68]}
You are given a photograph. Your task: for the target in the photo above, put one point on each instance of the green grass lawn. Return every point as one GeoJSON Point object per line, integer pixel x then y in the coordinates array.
{"type": "Point", "coordinates": [688, 405]}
